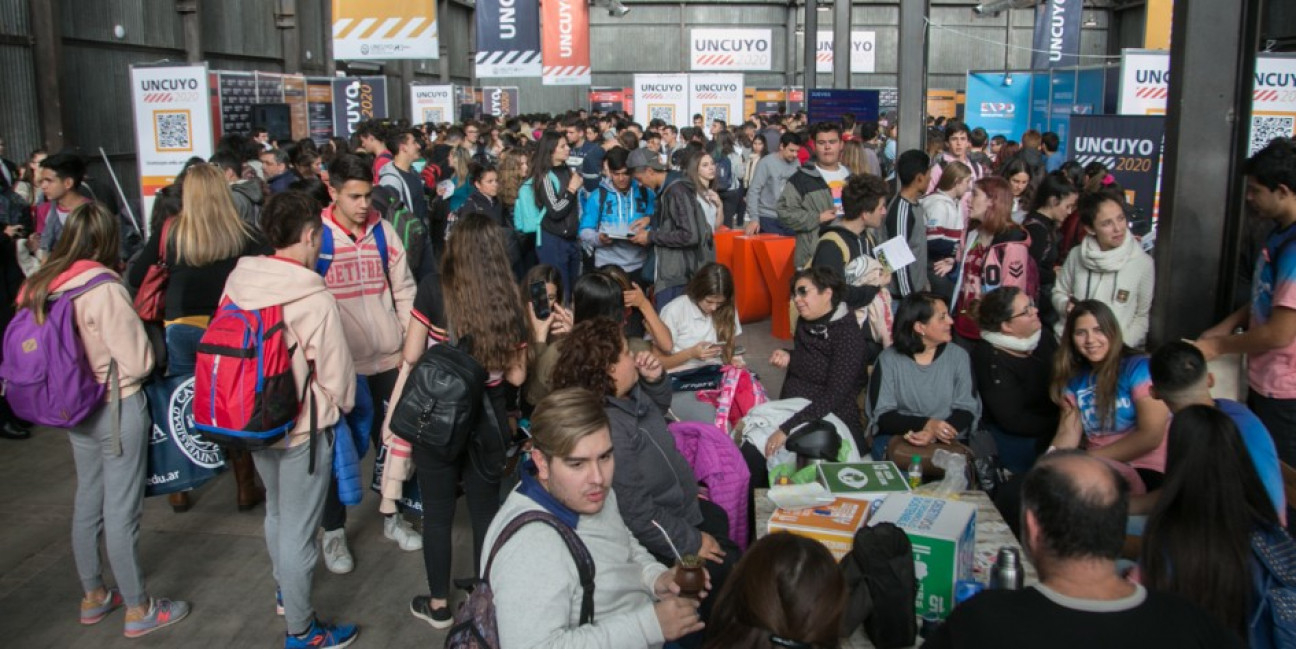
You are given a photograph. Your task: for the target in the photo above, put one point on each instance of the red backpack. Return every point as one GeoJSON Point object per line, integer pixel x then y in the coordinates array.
{"type": "Point", "coordinates": [244, 393]}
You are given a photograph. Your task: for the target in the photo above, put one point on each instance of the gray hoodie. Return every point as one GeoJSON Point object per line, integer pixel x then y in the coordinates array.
{"type": "Point", "coordinates": [767, 184]}
{"type": "Point", "coordinates": [248, 197]}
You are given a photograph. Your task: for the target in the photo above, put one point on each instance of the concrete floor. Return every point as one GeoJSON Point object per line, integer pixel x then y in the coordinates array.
{"type": "Point", "coordinates": [213, 556]}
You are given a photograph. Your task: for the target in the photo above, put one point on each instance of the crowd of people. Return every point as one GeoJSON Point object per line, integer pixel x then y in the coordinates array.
{"type": "Point", "coordinates": [570, 262]}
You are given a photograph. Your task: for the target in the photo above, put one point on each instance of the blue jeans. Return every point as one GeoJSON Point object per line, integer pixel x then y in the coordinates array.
{"type": "Point", "coordinates": [563, 254]}
{"type": "Point", "coordinates": [770, 225]}
{"type": "Point", "coordinates": [1016, 453]}
{"type": "Point", "coordinates": [182, 348]}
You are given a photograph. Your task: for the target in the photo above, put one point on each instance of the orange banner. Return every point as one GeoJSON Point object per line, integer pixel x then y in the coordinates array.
{"type": "Point", "coordinates": [565, 42]}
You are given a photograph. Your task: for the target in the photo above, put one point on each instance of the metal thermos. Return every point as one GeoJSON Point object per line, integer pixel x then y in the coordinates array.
{"type": "Point", "coordinates": [1007, 571]}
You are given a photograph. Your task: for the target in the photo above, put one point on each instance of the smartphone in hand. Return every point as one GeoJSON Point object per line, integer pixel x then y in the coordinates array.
{"type": "Point", "coordinates": [540, 300]}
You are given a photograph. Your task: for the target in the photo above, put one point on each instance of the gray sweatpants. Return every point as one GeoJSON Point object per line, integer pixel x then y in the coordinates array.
{"type": "Point", "coordinates": [110, 495]}
{"type": "Point", "coordinates": [294, 505]}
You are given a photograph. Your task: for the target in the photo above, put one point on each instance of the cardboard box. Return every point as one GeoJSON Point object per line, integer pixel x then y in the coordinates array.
{"type": "Point", "coordinates": [833, 524]}
{"type": "Point", "coordinates": [863, 480]}
{"type": "Point", "coordinates": [943, 534]}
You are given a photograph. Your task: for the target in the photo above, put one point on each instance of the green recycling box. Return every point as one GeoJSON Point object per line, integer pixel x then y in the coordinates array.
{"type": "Point", "coordinates": [862, 480]}
{"type": "Point", "coordinates": [943, 534]}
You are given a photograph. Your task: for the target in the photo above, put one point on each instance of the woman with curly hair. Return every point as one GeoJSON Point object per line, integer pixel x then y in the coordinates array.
{"type": "Point", "coordinates": [653, 481]}
{"type": "Point", "coordinates": [786, 592]}
{"type": "Point", "coordinates": [474, 295]}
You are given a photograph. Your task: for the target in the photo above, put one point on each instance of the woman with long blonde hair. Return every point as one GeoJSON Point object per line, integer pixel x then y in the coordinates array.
{"type": "Point", "coordinates": [860, 159]}
{"type": "Point", "coordinates": [110, 445]}
{"type": "Point", "coordinates": [200, 247]}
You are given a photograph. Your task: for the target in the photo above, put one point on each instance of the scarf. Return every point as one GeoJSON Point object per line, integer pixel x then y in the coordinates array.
{"type": "Point", "coordinates": [1096, 259]}
{"type": "Point", "coordinates": [1012, 343]}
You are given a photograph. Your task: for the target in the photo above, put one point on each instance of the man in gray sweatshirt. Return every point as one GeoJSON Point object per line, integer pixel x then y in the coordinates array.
{"type": "Point", "coordinates": [767, 185]}
{"type": "Point", "coordinates": [536, 584]}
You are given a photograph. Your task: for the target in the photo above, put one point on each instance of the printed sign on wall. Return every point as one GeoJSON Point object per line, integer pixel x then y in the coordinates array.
{"type": "Point", "coordinates": [661, 96]}
{"type": "Point", "coordinates": [862, 58]}
{"type": "Point", "coordinates": [432, 104]}
{"type": "Point", "coordinates": [1130, 146]}
{"type": "Point", "coordinates": [716, 96]}
{"type": "Point", "coordinates": [500, 101]}
{"type": "Point", "coordinates": [173, 122]}
{"type": "Point", "coordinates": [731, 49]}
{"type": "Point", "coordinates": [566, 43]}
{"type": "Point", "coordinates": [384, 29]}
{"type": "Point", "coordinates": [508, 38]}
{"type": "Point", "coordinates": [356, 99]}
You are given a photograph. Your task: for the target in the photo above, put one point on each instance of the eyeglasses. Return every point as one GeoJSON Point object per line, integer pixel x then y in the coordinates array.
{"type": "Point", "coordinates": [1030, 308]}
{"type": "Point", "coordinates": [802, 291]}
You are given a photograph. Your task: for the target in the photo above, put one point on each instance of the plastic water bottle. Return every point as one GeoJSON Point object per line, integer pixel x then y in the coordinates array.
{"type": "Point", "coordinates": [1007, 571]}
{"type": "Point", "coordinates": [915, 472]}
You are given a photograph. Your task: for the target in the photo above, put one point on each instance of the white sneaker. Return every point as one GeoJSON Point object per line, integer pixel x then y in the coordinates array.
{"type": "Point", "coordinates": [399, 530]}
{"type": "Point", "coordinates": [337, 557]}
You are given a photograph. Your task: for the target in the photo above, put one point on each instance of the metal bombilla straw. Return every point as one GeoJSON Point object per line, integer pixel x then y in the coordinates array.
{"type": "Point", "coordinates": [668, 541]}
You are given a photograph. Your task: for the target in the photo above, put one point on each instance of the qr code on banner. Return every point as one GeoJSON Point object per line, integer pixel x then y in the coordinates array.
{"type": "Point", "coordinates": [171, 130]}
{"type": "Point", "coordinates": [433, 115]}
{"type": "Point", "coordinates": [664, 112]}
{"type": "Point", "coordinates": [716, 112]}
{"type": "Point", "coordinates": [1267, 127]}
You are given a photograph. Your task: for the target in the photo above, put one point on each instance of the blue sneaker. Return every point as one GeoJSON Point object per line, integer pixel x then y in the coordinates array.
{"type": "Point", "coordinates": [323, 636]}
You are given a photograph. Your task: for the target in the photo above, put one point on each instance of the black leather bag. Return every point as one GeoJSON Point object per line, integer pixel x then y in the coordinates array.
{"type": "Point", "coordinates": [442, 398]}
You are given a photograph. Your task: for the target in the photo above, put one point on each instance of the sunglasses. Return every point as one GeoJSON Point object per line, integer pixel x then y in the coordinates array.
{"type": "Point", "coordinates": [802, 291]}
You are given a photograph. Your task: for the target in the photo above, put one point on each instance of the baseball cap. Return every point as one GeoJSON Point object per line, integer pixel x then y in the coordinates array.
{"type": "Point", "coordinates": [644, 158]}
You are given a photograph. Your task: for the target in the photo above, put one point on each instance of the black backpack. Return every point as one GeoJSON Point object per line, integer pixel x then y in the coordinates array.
{"type": "Point", "coordinates": [883, 586]}
{"type": "Point", "coordinates": [442, 398]}
{"type": "Point", "coordinates": [475, 626]}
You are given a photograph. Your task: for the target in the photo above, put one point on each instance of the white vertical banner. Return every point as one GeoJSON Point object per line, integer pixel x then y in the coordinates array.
{"type": "Point", "coordinates": [1273, 102]}
{"type": "Point", "coordinates": [731, 50]}
{"type": "Point", "coordinates": [432, 104]}
{"type": "Point", "coordinates": [862, 61]}
{"type": "Point", "coordinates": [716, 96]}
{"type": "Point", "coordinates": [1144, 82]}
{"type": "Point", "coordinates": [173, 123]}
{"type": "Point", "coordinates": [663, 96]}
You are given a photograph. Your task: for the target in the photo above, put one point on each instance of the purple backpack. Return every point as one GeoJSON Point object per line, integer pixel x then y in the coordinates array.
{"type": "Point", "coordinates": [45, 374]}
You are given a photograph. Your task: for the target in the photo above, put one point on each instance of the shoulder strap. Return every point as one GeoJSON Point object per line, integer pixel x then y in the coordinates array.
{"type": "Point", "coordinates": [584, 562]}
{"type": "Point", "coordinates": [841, 244]}
{"type": "Point", "coordinates": [101, 278]}
{"type": "Point", "coordinates": [162, 245]}
{"type": "Point", "coordinates": [326, 252]}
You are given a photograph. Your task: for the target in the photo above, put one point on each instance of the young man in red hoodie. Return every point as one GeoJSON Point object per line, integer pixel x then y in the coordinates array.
{"type": "Point", "coordinates": [375, 293]}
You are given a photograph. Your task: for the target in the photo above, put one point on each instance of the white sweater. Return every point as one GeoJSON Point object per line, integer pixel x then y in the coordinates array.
{"type": "Point", "coordinates": [1123, 279]}
{"type": "Point", "coordinates": [537, 587]}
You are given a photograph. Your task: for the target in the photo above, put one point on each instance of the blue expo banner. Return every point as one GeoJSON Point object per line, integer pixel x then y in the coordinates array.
{"type": "Point", "coordinates": [999, 102]}
{"type": "Point", "coordinates": [1057, 34]}
{"type": "Point", "coordinates": [1130, 147]}
{"type": "Point", "coordinates": [508, 38]}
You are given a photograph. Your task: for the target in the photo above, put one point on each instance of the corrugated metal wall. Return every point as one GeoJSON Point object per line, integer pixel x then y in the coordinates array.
{"type": "Point", "coordinates": [19, 125]}
{"type": "Point", "coordinates": [241, 35]}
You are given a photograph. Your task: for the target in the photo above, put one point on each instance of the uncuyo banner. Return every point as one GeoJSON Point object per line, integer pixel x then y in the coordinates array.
{"type": "Point", "coordinates": [385, 29]}
{"type": "Point", "coordinates": [731, 50]}
{"type": "Point", "coordinates": [716, 96]}
{"type": "Point", "coordinates": [500, 101]}
{"type": "Point", "coordinates": [432, 104]}
{"type": "Point", "coordinates": [173, 122]}
{"type": "Point", "coordinates": [356, 99]}
{"type": "Point", "coordinates": [1057, 34]}
{"type": "Point", "coordinates": [661, 96]}
{"type": "Point", "coordinates": [1130, 147]}
{"type": "Point", "coordinates": [566, 51]}
{"type": "Point", "coordinates": [508, 38]}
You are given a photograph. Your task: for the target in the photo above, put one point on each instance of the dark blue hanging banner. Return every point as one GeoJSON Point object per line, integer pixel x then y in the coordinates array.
{"type": "Point", "coordinates": [1057, 34]}
{"type": "Point", "coordinates": [1130, 147]}
{"type": "Point", "coordinates": [508, 38]}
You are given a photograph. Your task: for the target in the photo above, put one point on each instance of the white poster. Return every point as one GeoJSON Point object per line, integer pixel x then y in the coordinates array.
{"type": "Point", "coordinates": [715, 96]}
{"type": "Point", "coordinates": [173, 123]}
{"type": "Point", "coordinates": [663, 96]}
{"type": "Point", "coordinates": [1145, 87]}
{"type": "Point", "coordinates": [862, 49]}
{"type": "Point", "coordinates": [434, 104]}
{"type": "Point", "coordinates": [731, 49]}
{"type": "Point", "coordinates": [1145, 82]}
